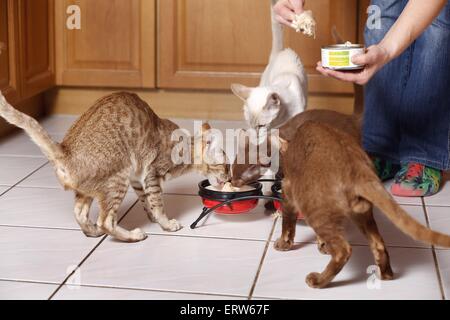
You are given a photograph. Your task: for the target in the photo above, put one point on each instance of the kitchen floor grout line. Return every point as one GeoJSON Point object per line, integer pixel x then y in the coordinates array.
{"type": "Point", "coordinates": [161, 290]}
{"type": "Point", "coordinates": [433, 251]}
{"type": "Point", "coordinates": [29, 281]}
{"type": "Point", "coordinates": [10, 155]}
{"type": "Point", "coordinates": [23, 179]}
{"type": "Point", "coordinates": [169, 234]}
{"type": "Point", "coordinates": [263, 257]}
{"type": "Point", "coordinates": [87, 256]}
{"type": "Point", "coordinates": [437, 205]}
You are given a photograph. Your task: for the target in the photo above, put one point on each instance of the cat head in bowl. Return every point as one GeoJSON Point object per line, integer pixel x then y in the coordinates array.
{"type": "Point", "coordinates": [244, 171]}
{"type": "Point", "coordinates": [211, 159]}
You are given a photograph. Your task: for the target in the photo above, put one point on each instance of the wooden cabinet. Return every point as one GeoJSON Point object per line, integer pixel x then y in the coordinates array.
{"type": "Point", "coordinates": [8, 61]}
{"type": "Point", "coordinates": [35, 45]}
{"type": "Point", "coordinates": [115, 46]}
{"type": "Point", "coordinates": [210, 44]}
{"type": "Point", "coordinates": [26, 31]}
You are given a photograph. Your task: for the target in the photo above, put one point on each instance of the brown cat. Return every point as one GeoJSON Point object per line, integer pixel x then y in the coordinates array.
{"type": "Point", "coordinates": [119, 141]}
{"type": "Point", "coordinates": [245, 173]}
{"type": "Point", "coordinates": [330, 179]}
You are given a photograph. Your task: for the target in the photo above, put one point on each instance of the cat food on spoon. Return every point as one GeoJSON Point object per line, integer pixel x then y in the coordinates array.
{"type": "Point", "coordinates": [305, 24]}
{"type": "Point", "coordinates": [339, 56]}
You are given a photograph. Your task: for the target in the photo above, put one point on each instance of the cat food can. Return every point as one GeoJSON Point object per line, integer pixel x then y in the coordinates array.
{"type": "Point", "coordinates": [339, 56]}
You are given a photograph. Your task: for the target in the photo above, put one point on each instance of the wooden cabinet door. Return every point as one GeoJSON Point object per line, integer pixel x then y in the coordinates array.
{"type": "Point", "coordinates": [35, 46]}
{"type": "Point", "coordinates": [8, 61]}
{"type": "Point", "coordinates": [210, 44]}
{"type": "Point", "coordinates": [115, 46]}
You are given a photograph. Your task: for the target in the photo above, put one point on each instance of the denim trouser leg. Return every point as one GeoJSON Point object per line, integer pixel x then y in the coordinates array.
{"type": "Point", "coordinates": [407, 115]}
{"type": "Point", "coordinates": [381, 134]}
{"type": "Point", "coordinates": [425, 126]}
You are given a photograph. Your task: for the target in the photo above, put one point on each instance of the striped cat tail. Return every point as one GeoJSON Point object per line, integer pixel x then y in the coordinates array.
{"type": "Point", "coordinates": [50, 148]}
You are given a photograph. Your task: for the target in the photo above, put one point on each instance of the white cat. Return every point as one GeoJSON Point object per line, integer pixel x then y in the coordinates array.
{"type": "Point", "coordinates": [282, 92]}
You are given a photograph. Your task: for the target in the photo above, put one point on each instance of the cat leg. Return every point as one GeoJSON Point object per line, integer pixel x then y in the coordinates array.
{"type": "Point", "coordinates": [155, 206]}
{"type": "Point", "coordinates": [109, 206]}
{"type": "Point", "coordinates": [286, 241]}
{"type": "Point", "coordinates": [340, 251]}
{"type": "Point", "coordinates": [139, 190]}
{"type": "Point", "coordinates": [82, 207]}
{"type": "Point", "coordinates": [366, 223]}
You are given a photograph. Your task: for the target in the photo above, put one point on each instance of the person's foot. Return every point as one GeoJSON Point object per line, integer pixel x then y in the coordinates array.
{"type": "Point", "coordinates": [416, 180]}
{"type": "Point", "coordinates": [385, 169]}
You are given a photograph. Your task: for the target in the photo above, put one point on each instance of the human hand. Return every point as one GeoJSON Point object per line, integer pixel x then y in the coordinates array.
{"type": "Point", "coordinates": [373, 60]}
{"type": "Point", "coordinates": [285, 10]}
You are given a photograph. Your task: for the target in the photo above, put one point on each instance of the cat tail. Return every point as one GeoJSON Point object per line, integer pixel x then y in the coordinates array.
{"type": "Point", "coordinates": [375, 192]}
{"type": "Point", "coordinates": [277, 34]}
{"type": "Point", "coordinates": [50, 148]}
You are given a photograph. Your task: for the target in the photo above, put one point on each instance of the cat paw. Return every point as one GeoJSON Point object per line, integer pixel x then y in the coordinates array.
{"type": "Point", "coordinates": [172, 226]}
{"type": "Point", "coordinates": [312, 280]}
{"type": "Point", "coordinates": [387, 275]}
{"type": "Point", "coordinates": [91, 231]}
{"type": "Point", "coordinates": [281, 245]}
{"type": "Point", "coordinates": [137, 235]}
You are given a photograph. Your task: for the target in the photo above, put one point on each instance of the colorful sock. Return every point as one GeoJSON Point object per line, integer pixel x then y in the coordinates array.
{"type": "Point", "coordinates": [416, 180]}
{"type": "Point", "coordinates": [385, 169]}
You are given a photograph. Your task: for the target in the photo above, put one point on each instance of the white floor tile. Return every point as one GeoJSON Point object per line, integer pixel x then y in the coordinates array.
{"type": "Point", "coordinates": [283, 275]}
{"type": "Point", "coordinates": [14, 169]}
{"type": "Point", "coordinates": [255, 225]}
{"type": "Point", "coordinates": [186, 184]}
{"type": "Point", "coordinates": [102, 293]}
{"type": "Point", "coordinates": [3, 189]}
{"type": "Point", "coordinates": [439, 218]}
{"type": "Point", "coordinates": [214, 266]}
{"type": "Point", "coordinates": [58, 124]}
{"type": "Point", "coordinates": [13, 290]}
{"type": "Point", "coordinates": [403, 200]}
{"type": "Point", "coordinates": [391, 234]}
{"type": "Point", "coordinates": [443, 259]}
{"type": "Point", "coordinates": [442, 198]}
{"type": "Point", "coordinates": [43, 178]}
{"type": "Point", "coordinates": [41, 255]}
{"type": "Point", "coordinates": [21, 145]}
{"type": "Point", "coordinates": [48, 208]}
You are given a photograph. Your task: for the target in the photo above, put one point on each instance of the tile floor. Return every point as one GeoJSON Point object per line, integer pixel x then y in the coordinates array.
{"type": "Point", "coordinates": [44, 255]}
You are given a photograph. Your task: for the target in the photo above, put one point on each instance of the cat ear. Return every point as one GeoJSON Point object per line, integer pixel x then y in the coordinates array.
{"type": "Point", "coordinates": [205, 128]}
{"type": "Point", "coordinates": [241, 91]}
{"type": "Point", "coordinates": [274, 100]}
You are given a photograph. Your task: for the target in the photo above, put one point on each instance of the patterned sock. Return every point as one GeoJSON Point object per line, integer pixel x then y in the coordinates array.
{"type": "Point", "coordinates": [416, 180]}
{"type": "Point", "coordinates": [385, 169]}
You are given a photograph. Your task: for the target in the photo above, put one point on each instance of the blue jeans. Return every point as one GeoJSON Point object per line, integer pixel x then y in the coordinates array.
{"type": "Point", "coordinates": [407, 103]}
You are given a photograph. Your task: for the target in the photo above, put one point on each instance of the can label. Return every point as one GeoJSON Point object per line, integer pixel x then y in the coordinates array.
{"type": "Point", "coordinates": [340, 59]}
